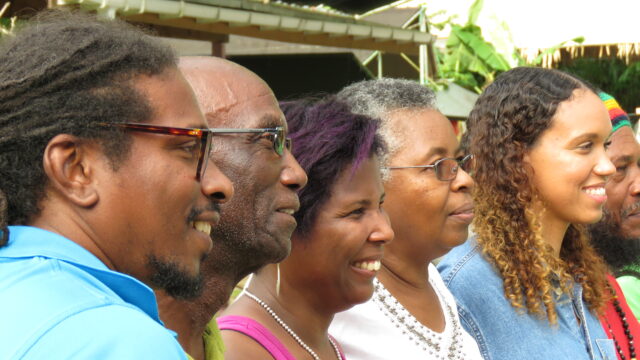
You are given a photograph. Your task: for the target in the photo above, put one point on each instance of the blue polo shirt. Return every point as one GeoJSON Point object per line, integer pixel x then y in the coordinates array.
{"type": "Point", "coordinates": [58, 301]}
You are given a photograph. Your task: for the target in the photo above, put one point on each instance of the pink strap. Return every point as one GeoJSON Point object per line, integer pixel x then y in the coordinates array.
{"type": "Point", "coordinates": [257, 332]}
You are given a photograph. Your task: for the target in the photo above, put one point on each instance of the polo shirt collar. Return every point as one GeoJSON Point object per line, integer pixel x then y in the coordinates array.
{"type": "Point", "coordinates": [28, 241]}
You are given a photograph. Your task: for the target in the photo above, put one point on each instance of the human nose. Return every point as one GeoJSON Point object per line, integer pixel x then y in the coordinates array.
{"type": "Point", "coordinates": [462, 181]}
{"type": "Point", "coordinates": [215, 184]}
{"type": "Point", "coordinates": [634, 187]}
{"type": "Point", "coordinates": [382, 232]}
{"type": "Point", "coordinates": [604, 167]}
{"type": "Point", "coordinates": [292, 175]}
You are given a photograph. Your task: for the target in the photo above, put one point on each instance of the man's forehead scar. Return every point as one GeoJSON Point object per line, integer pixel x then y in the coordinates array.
{"type": "Point", "coordinates": [224, 92]}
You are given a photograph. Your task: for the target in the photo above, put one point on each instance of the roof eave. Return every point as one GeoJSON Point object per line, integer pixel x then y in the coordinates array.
{"type": "Point", "coordinates": [332, 31]}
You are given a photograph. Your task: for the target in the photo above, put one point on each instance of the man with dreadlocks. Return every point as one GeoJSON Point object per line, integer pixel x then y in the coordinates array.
{"type": "Point", "coordinates": [617, 235]}
{"type": "Point", "coordinates": [105, 192]}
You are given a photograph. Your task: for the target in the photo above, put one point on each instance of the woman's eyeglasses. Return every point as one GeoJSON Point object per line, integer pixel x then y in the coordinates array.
{"type": "Point", "coordinates": [446, 168]}
{"type": "Point", "coordinates": [275, 135]}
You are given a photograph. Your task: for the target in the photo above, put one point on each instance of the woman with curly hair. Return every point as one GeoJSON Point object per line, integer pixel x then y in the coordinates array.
{"type": "Point", "coordinates": [529, 285]}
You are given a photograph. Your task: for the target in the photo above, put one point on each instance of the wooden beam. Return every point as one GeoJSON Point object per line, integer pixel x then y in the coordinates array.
{"type": "Point", "coordinates": [298, 37]}
{"type": "Point", "coordinates": [181, 33]}
{"type": "Point", "coordinates": [217, 49]}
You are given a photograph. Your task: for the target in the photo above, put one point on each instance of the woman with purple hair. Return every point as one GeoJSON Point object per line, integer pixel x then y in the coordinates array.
{"type": "Point", "coordinates": [285, 311]}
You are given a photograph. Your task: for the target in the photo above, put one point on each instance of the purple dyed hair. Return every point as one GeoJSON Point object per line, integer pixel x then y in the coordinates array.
{"type": "Point", "coordinates": [328, 138]}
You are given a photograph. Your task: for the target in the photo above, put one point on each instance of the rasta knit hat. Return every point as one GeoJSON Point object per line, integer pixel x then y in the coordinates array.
{"type": "Point", "coordinates": [618, 116]}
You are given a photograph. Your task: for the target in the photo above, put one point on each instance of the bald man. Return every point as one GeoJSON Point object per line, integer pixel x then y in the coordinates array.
{"type": "Point", "coordinates": [256, 225]}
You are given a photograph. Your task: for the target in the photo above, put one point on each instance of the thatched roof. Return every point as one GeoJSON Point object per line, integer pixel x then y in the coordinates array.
{"type": "Point", "coordinates": [628, 52]}
{"type": "Point", "coordinates": [608, 29]}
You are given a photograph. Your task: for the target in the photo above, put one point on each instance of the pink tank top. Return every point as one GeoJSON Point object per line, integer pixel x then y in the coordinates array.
{"type": "Point", "coordinates": [260, 334]}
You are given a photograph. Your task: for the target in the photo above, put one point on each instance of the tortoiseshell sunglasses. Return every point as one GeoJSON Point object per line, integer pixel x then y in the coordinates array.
{"type": "Point", "coordinates": [276, 135]}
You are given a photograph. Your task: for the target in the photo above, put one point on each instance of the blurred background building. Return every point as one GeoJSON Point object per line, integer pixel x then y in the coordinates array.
{"type": "Point", "coordinates": [456, 47]}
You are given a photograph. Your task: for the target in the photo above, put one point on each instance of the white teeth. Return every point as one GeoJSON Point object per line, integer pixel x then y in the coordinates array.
{"type": "Point", "coordinates": [287, 211]}
{"type": "Point", "coordinates": [368, 265]}
{"type": "Point", "coordinates": [599, 191]}
{"type": "Point", "coordinates": [202, 226]}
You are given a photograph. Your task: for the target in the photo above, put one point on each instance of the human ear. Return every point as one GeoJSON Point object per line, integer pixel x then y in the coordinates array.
{"type": "Point", "coordinates": [68, 163]}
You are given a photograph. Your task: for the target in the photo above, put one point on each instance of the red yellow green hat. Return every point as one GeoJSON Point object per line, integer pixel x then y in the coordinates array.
{"type": "Point", "coordinates": [618, 116]}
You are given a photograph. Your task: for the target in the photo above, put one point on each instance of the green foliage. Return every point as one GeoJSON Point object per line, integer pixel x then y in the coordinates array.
{"type": "Point", "coordinates": [468, 59]}
{"type": "Point", "coordinates": [612, 76]}
{"type": "Point", "coordinates": [6, 27]}
{"type": "Point", "coordinates": [473, 62]}
{"type": "Point", "coordinates": [483, 57]}
{"type": "Point", "coordinates": [474, 11]}
{"type": "Point", "coordinates": [6, 24]}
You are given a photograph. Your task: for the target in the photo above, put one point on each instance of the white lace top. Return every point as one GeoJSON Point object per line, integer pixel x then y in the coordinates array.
{"type": "Point", "coordinates": [382, 328]}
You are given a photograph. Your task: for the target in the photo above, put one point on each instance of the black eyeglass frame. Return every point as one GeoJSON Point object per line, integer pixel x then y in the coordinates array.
{"type": "Point", "coordinates": [461, 163]}
{"type": "Point", "coordinates": [280, 142]}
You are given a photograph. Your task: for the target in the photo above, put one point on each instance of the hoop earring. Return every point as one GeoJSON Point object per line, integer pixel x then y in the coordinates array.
{"type": "Point", "coordinates": [278, 279]}
{"type": "Point", "coordinates": [246, 283]}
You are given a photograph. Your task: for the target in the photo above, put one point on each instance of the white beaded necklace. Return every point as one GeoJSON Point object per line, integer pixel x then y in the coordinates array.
{"type": "Point", "coordinates": [289, 330]}
{"type": "Point", "coordinates": [430, 341]}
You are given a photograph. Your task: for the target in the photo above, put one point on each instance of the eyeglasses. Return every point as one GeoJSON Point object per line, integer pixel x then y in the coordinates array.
{"type": "Point", "coordinates": [275, 135]}
{"type": "Point", "coordinates": [446, 168]}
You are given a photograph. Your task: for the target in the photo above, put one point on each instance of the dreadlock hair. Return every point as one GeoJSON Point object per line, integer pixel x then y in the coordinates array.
{"type": "Point", "coordinates": [506, 121]}
{"type": "Point", "coordinates": [64, 72]}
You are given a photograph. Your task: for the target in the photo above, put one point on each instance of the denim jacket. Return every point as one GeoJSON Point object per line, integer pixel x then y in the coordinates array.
{"type": "Point", "coordinates": [504, 333]}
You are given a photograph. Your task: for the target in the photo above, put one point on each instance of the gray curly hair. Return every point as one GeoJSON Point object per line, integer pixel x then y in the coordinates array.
{"type": "Point", "coordinates": [380, 97]}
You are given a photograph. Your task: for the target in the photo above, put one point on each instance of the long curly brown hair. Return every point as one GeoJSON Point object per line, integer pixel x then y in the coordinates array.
{"type": "Point", "coordinates": [505, 123]}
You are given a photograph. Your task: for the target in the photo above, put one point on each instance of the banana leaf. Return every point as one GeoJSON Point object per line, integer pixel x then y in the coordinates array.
{"type": "Point", "coordinates": [474, 11]}
{"type": "Point", "coordinates": [474, 42]}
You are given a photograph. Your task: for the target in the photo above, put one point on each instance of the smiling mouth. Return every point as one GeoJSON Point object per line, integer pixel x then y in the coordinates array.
{"type": "Point", "coordinates": [630, 213]}
{"type": "Point", "coordinates": [596, 191]}
{"type": "Point", "coordinates": [371, 265]}
{"type": "Point", "coordinates": [202, 226]}
{"type": "Point", "coordinates": [633, 210]}
{"type": "Point", "coordinates": [286, 211]}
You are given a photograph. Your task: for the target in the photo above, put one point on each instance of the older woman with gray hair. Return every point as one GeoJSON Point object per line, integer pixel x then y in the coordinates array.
{"type": "Point", "coordinates": [412, 315]}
